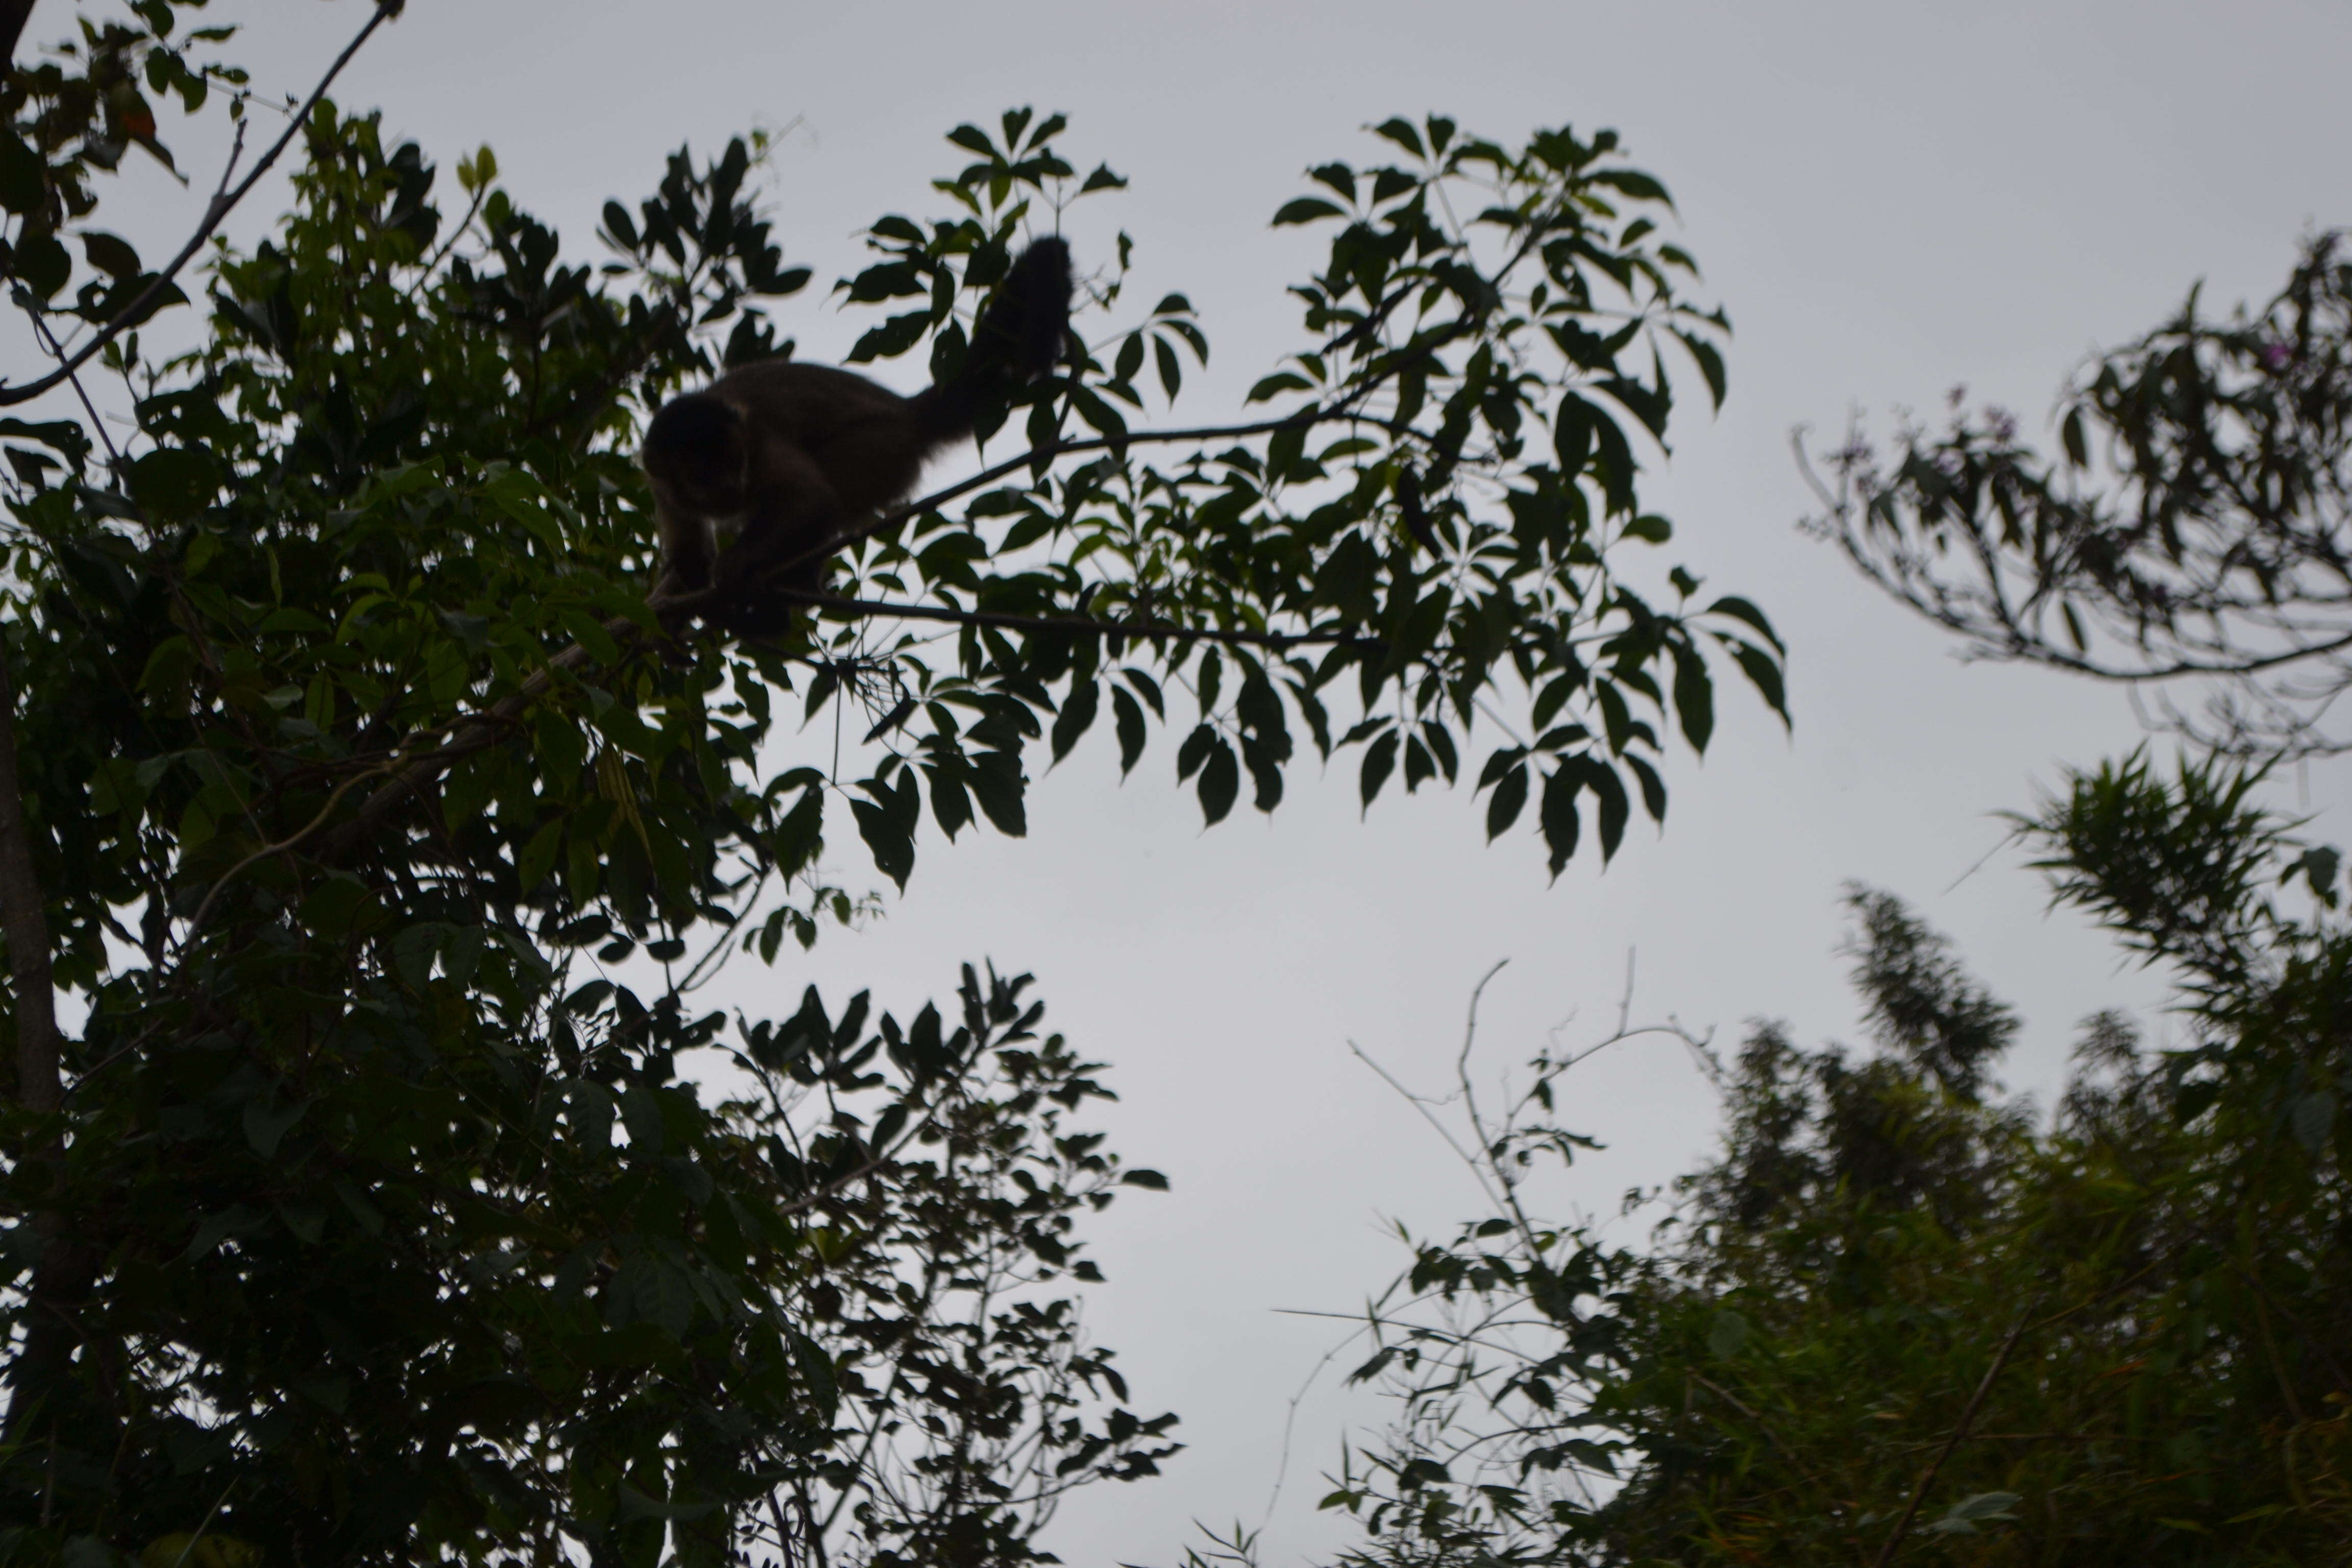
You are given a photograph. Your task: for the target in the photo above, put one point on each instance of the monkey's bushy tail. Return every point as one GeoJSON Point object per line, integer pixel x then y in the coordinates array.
{"type": "Point", "coordinates": [1017, 339]}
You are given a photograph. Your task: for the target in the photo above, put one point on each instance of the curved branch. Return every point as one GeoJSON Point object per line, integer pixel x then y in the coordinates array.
{"type": "Point", "coordinates": [197, 922]}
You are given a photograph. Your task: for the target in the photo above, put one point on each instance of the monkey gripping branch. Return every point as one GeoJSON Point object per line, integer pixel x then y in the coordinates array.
{"type": "Point", "coordinates": [369, 1218]}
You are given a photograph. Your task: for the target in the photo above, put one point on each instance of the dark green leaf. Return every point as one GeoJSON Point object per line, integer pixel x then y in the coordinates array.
{"type": "Point", "coordinates": [1654, 788]}
{"type": "Point", "coordinates": [1694, 696]}
{"type": "Point", "coordinates": [174, 482]}
{"type": "Point", "coordinates": [1740, 610]}
{"type": "Point", "coordinates": [1265, 769]}
{"type": "Point", "coordinates": [1307, 209]}
{"type": "Point", "coordinates": [1195, 750]}
{"type": "Point", "coordinates": [23, 177]}
{"type": "Point", "coordinates": [1763, 673]}
{"type": "Point", "coordinates": [1710, 364]}
{"type": "Point", "coordinates": [1220, 783]}
{"type": "Point", "coordinates": [951, 802]}
{"type": "Point", "coordinates": [1610, 791]}
{"type": "Point", "coordinates": [1001, 787]}
{"type": "Point", "coordinates": [1078, 713]}
{"type": "Point", "coordinates": [1557, 816]}
{"type": "Point", "coordinates": [887, 823]}
{"type": "Point", "coordinates": [1509, 798]}
{"type": "Point", "coordinates": [1279, 382]}
{"type": "Point", "coordinates": [1128, 715]}
{"type": "Point", "coordinates": [266, 1126]}
{"type": "Point", "coordinates": [1380, 761]}
{"type": "Point", "coordinates": [1572, 428]}
{"type": "Point", "coordinates": [42, 263]}
{"type": "Point", "coordinates": [109, 253]}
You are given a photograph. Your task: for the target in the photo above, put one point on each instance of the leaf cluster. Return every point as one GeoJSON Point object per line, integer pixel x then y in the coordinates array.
{"type": "Point", "coordinates": [1901, 1319]}
{"type": "Point", "coordinates": [2191, 528]}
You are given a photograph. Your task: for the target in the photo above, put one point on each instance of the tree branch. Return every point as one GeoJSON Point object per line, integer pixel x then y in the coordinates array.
{"type": "Point", "coordinates": [219, 208]}
{"type": "Point", "coordinates": [1139, 630]}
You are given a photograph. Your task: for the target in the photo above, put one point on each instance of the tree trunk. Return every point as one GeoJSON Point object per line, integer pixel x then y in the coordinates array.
{"type": "Point", "coordinates": [64, 1273]}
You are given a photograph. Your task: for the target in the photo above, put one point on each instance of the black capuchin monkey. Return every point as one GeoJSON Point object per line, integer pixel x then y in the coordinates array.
{"type": "Point", "coordinates": [773, 459]}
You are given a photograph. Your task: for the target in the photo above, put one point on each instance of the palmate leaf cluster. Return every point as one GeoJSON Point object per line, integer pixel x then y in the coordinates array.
{"type": "Point", "coordinates": [1422, 530]}
{"type": "Point", "coordinates": [1905, 1318]}
{"type": "Point", "coordinates": [404, 1203]}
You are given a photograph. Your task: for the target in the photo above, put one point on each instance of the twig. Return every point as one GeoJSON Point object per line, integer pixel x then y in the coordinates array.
{"type": "Point", "coordinates": [217, 210]}
{"type": "Point", "coordinates": [1968, 1419]}
{"type": "Point", "coordinates": [48, 337]}
{"type": "Point", "coordinates": [1762, 1426]}
{"type": "Point", "coordinates": [207, 1525]}
{"type": "Point", "coordinates": [197, 922]}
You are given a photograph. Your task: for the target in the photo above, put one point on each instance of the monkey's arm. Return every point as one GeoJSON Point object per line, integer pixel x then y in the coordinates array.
{"type": "Point", "coordinates": [792, 510]}
{"type": "Point", "coordinates": [688, 551]}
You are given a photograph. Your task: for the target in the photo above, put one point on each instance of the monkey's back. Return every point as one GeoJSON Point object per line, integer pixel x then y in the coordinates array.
{"type": "Point", "coordinates": [864, 437]}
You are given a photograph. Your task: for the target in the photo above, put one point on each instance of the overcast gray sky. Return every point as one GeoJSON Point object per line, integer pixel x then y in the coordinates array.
{"type": "Point", "coordinates": [1889, 199]}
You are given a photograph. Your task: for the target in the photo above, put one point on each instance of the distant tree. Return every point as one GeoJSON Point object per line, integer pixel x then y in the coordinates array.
{"type": "Point", "coordinates": [2194, 532]}
{"type": "Point", "coordinates": [397, 1201]}
{"type": "Point", "coordinates": [1905, 1320]}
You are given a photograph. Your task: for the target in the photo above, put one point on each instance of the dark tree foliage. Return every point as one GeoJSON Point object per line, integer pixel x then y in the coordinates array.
{"type": "Point", "coordinates": [2191, 534]}
{"type": "Point", "coordinates": [395, 1199]}
{"type": "Point", "coordinates": [1902, 1319]}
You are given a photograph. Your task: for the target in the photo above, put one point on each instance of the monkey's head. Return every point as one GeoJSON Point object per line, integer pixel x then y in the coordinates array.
{"type": "Point", "coordinates": [696, 449]}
